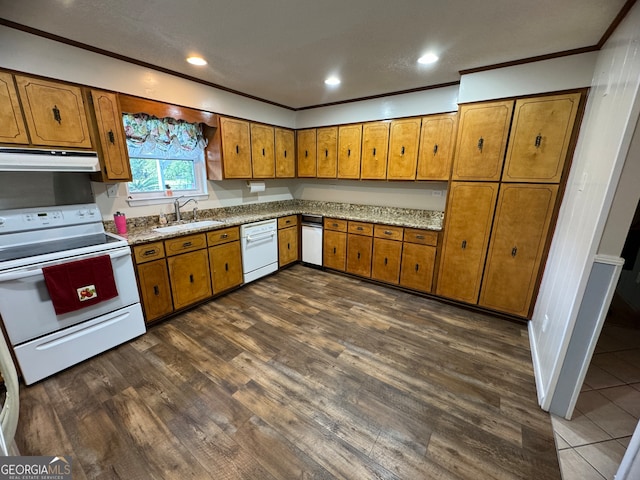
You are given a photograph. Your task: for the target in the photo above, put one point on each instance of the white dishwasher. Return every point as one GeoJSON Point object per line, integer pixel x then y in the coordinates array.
{"type": "Point", "coordinates": [259, 242]}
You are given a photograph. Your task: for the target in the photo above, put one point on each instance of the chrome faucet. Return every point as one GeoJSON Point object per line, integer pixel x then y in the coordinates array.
{"type": "Point", "coordinates": [177, 206]}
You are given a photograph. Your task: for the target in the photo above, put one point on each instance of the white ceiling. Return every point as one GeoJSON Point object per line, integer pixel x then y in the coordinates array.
{"type": "Point", "coordinates": [282, 50]}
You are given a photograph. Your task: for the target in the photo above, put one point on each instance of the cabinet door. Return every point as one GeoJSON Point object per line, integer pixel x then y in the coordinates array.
{"type": "Point", "coordinates": [418, 262]}
{"type": "Point", "coordinates": [306, 152]}
{"type": "Point", "coordinates": [436, 147]}
{"type": "Point", "coordinates": [114, 156]}
{"type": "Point", "coordinates": [482, 140]}
{"type": "Point", "coordinates": [540, 136]}
{"type": "Point", "coordinates": [262, 148]}
{"type": "Point", "coordinates": [349, 148]}
{"type": "Point", "coordinates": [236, 148]}
{"type": "Point", "coordinates": [327, 143]}
{"type": "Point", "coordinates": [285, 153]}
{"type": "Point", "coordinates": [287, 245]}
{"type": "Point", "coordinates": [334, 250]}
{"type": "Point", "coordinates": [468, 218]}
{"type": "Point", "coordinates": [54, 112]}
{"type": "Point", "coordinates": [12, 126]}
{"type": "Point", "coordinates": [386, 260]}
{"type": "Point", "coordinates": [225, 263]}
{"type": "Point", "coordinates": [375, 143]}
{"type": "Point", "coordinates": [190, 278]}
{"type": "Point", "coordinates": [403, 149]}
{"type": "Point", "coordinates": [359, 255]}
{"type": "Point", "coordinates": [523, 217]}
{"type": "Point", "coordinates": [153, 281]}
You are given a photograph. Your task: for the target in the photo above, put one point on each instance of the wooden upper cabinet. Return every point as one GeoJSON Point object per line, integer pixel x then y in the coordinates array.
{"type": "Point", "coordinates": [110, 139]}
{"type": "Point", "coordinates": [262, 151]}
{"type": "Point", "coordinates": [12, 126]}
{"type": "Point", "coordinates": [349, 149]}
{"type": "Point", "coordinates": [522, 221]}
{"type": "Point", "coordinates": [307, 153]}
{"type": "Point", "coordinates": [55, 113]}
{"type": "Point", "coordinates": [327, 148]}
{"type": "Point", "coordinates": [285, 154]}
{"type": "Point", "coordinates": [375, 144]}
{"type": "Point", "coordinates": [436, 147]}
{"type": "Point", "coordinates": [236, 148]}
{"type": "Point", "coordinates": [468, 218]}
{"type": "Point", "coordinates": [403, 149]}
{"type": "Point", "coordinates": [540, 137]}
{"type": "Point", "coordinates": [482, 140]}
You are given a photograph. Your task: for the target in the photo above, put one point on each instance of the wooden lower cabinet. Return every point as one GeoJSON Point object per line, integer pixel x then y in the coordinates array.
{"type": "Point", "coordinates": [468, 219]}
{"type": "Point", "coordinates": [190, 278]}
{"type": "Point", "coordinates": [334, 251]}
{"type": "Point", "coordinates": [287, 245]}
{"type": "Point", "coordinates": [522, 221]}
{"type": "Point", "coordinates": [155, 291]}
{"type": "Point", "coordinates": [225, 263]}
{"type": "Point", "coordinates": [359, 248]}
{"type": "Point", "coordinates": [418, 259]}
{"type": "Point", "coordinates": [386, 260]}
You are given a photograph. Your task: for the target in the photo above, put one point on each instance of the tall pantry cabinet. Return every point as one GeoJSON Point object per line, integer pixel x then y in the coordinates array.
{"type": "Point", "coordinates": [509, 163]}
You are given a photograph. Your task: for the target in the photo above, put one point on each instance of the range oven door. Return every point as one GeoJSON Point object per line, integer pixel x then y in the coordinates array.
{"type": "Point", "coordinates": [26, 308]}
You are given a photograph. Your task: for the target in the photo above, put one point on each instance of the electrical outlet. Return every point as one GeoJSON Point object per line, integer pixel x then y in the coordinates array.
{"type": "Point", "coordinates": [112, 190]}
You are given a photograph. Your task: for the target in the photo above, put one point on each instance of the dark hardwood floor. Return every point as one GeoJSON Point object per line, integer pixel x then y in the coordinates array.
{"type": "Point", "coordinates": [302, 375]}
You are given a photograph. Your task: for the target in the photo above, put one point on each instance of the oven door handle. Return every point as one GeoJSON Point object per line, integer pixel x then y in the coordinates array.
{"type": "Point", "coordinates": [20, 274]}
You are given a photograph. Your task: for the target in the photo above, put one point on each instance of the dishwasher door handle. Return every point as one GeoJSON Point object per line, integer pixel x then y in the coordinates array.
{"type": "Point", "coordinates": [251, 238]}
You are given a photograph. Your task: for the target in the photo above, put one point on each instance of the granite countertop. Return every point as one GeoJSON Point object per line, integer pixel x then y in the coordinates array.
{"type": "Point", "coordinates": [140, 229]}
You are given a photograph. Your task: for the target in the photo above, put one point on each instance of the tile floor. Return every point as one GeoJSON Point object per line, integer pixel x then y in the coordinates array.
{"type": "Point", "coordinates": [592, 444]}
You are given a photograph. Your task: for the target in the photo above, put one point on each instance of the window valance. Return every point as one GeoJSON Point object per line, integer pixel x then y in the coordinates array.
{"type": "Point", "coordinates": [163, 138]}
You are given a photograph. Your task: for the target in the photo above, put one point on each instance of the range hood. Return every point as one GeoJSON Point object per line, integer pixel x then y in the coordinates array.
{"type": "Point", "coordinates": [40, 160]}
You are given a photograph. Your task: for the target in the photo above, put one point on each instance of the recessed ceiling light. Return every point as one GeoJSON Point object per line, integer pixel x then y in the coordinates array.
{"type": "Point", "coordinates": [428, 58]}
{"type": "Point", "coordinates": [196, 61]}
{"type": "Point", "coordinates": [332, 81]}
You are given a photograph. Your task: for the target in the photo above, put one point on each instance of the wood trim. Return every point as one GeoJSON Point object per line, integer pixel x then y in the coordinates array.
{"type": "Point", "coordinates": [616, 21]}
{"type": "Point", "coordinates": [131, 104]}
{"type": "Point", "coordinates": [107, 53]}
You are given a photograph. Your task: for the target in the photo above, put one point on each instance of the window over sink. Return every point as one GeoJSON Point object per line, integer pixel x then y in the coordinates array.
{"type": "Point", "coordinates": [166, 157]}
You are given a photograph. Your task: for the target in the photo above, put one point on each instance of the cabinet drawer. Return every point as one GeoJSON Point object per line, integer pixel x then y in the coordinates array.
{"type": "Point", "coordinates": [335, 224]}
{"type": "Point", "coordinates": [360, 228]}
{"type": "Point", "coordinates": [386, 231]}
{"type": "Point", "coordinates": [423, 237]}
{"type": "Point", "coordinates": [148, 252]}
{"type": "Point", "coordinates": [184, 244]}
{"type": "Point", "coordinates": [288, 221]}
{"type": "Point", "coordinates": [224, 235]}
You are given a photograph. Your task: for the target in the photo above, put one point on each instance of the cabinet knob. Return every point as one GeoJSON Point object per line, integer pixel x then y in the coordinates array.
{"type": "Point", "coordinates": [402, 151]}
{"type": "Point", "coordinates": [417, 266]}
{"type": "Point", "coordinates": [156, 290]}
{"type": "Point", "coordinates": [464, 244]}
{"type": "Point", "coordinates": [112, 137]}
{"type": "Point", "coordinates": [514, 251]}
{"type": "Point", "coordinates": [358, 255]}
{"type": "Point", "coordinates": [56, 114]}
{"type": "Point", "coordinates": [538, 141]}
{"type": "Point", "coordinates": [224, 235]}
{"type": "Point", "coordinates": [435, 149]}
{"type": "Point", "coordinates": [480, 144]}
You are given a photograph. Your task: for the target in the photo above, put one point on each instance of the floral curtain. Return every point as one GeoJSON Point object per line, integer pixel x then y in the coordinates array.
{"type": "Point", "coordinates": [163, 138]}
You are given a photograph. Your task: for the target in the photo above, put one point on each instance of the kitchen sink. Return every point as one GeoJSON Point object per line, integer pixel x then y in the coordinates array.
{"type": "Point", "coordinates": [180, 227]}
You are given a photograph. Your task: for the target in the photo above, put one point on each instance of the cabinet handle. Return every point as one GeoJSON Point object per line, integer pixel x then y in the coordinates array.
{"type": "Point", "coordinates": [112, 137]}
{"type": "Point", "coordinates": [334, 250]}
{"type": "Point", "coordinates": [348, 152]}
{"type": "Point", "coordinates": [191, 277]}
{"type": "Point", "coordinates": [226, 267]}
{"type": "Point", "coordinates": [285, 154]}
{"type": "Point", "coordinates": [359, 228]}
{"type": "Point", "coordinates": [149, 252]}
{"type": "Point", "coordinates": [56, 114]}
{"type": "Point", "coordinates": [334, 225]}
{"type": "Point", "coordinates": [306, 153]}
{"type": "Point", "coordinates": [374, 151]}
{"type": "Point", "coordinates": [358, 255]}
{"type": "Point", "coordinates": [156, 290]}
{"type": "Point", "coordinates": [417, 266]}
{"type": "Point", "coordinates": [224, 235]}
{"type": "Point", "coordinates": [288, 221]}
{"type": "Point", "coordinates": [480, 144]}
{"type": "Point", "coordinates": [538, 141]}
{"type": "Point", "coordinates": [464, 244]}
{"type": "Point", "coordinates": [186, 244]}
{"type": "Point", "coordinates": [288, 246]}
{"type": "Point", "coordinates": [326, 152]}
{"type": "Point", "coordinates": [385, 260]}
{"type": "Point", "coordinates": [420, 237]}
{"type": "Point", "coordinates": [237, 149]}
{"type": "Point", "coordinates": [435, 149]}
{"type": "Point", "coordinates": [402, 152]}
{"type": "Point", "coordinates": [263, 152]}
{"type": "Point", "coordinates": [388, 232]}
{"type": "Point", "coordinates": [514, 251]}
